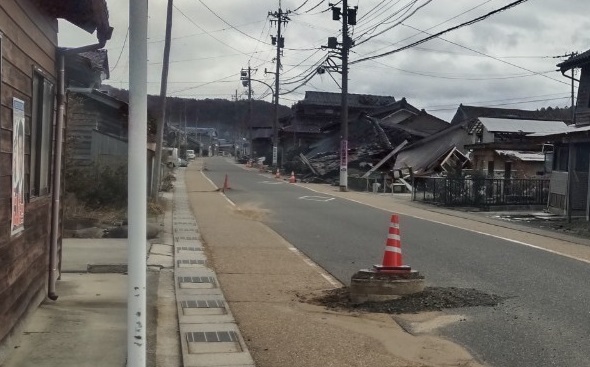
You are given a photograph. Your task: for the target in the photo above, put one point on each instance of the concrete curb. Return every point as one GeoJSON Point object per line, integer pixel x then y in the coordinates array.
{"type": "Point", "coordinates": [209, 335]}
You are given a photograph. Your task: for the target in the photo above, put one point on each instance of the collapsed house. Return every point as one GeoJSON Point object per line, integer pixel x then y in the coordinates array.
{"type": "Point", "coordinates": [387, 136]}
{"type": "Point", "coordinates": [377, 125]}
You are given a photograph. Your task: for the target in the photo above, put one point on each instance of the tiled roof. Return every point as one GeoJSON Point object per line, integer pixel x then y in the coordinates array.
{"type": "Point", "coordinates": [465, 113]}
{"type": "Point", "coordinates": [354, 100]}
{"type": "Point", "coordinates": [575, 61]}
{"type": "Point", "coordinates": [402, 104]}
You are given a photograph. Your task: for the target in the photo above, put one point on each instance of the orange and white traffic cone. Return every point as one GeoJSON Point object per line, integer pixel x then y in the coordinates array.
{"type": "Point", "coordinates": [392, 258]}
{"type": "Point", "coordinates": [292, 179]}
{"type": "Point", "coordinates": [278, 174]}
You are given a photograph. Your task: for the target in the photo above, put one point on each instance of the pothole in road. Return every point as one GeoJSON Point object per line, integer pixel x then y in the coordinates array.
{"type": "Point", "coordinates": [431, 299]}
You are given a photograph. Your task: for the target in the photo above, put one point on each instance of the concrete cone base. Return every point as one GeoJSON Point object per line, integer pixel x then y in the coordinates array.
{"type": "Point", "coordinates": [372, 286]}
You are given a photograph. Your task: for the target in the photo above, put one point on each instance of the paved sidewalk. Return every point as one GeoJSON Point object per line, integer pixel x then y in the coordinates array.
{"type": "Point", "coordinates": [86, 326]}
{"type": "Point", "coordinates": [208, 333]}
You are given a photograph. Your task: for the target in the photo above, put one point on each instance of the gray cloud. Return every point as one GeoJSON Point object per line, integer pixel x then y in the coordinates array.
{"type": "Point", "coordinates": [535, 28]}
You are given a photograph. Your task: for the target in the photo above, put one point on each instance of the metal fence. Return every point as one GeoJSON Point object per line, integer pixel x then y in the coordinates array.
{"type": "Point", "coordinates": [481, 192]}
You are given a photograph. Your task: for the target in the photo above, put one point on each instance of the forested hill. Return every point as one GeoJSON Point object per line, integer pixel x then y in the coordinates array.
{"type": "Point", "coordinates": [227, 116]}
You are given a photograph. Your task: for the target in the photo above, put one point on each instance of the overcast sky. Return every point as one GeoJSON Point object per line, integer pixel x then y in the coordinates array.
{"type": "Point", "coordinates": [207, 53]}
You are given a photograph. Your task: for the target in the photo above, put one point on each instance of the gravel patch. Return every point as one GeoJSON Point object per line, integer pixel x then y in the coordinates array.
{"type": "Point", "coordinates": [431, 299]}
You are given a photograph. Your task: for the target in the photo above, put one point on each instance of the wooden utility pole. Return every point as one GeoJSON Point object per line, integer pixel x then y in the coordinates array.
{"type": "Point", "coordinates": [162, 121]}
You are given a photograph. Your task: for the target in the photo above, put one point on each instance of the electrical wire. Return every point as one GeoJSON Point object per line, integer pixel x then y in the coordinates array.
{"type": "Point", "coordinates": [421, 73]}
{"type": "Point", "coordinates": [505, 104]}
{"type": "Point", "coordinates": [397, 23]}
{"type": "Point", "coordinates": [502, 100]}
{"type": "Point", "coordinates": [436, 25]}
{"type": "Point", "coordinates": [209, 33]}
{"type": "Point", "coordinates": [122, 49]}
{"type": "Point", "coordinates": [490, 56]}
{"type": "Point", "coordinates": [473, 21]}
{"type": "Point", "coordinates": [370, 25]}
{"type": "Point", "coordinates": [229, 24]}
{"type": "Point", "coordinates": [301, 6]}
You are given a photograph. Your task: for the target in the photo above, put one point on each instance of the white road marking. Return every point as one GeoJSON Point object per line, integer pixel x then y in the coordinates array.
{"type": "Point", "coordinates": [333, 281]}
{"type": "Point", "coordinates": [317, 198]}
{"type": "Point", "coordinates": [217, 188]}
{"type": "Point", "coordinates": [272, 182]}
{"type": "Point", "coordinates": [465, 229]}
{"type": "Point", "coordinates": [208, 179]}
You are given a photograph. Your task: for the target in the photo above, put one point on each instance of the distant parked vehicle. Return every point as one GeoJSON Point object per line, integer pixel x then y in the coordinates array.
{"type": "Point", "coordinates": [183, 163]}
{"type": "Point", "coordinates": [190, 154]}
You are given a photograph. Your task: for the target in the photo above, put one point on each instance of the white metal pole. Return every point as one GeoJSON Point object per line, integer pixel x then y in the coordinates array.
{"type": "Point", "coordinates": [137, 184]}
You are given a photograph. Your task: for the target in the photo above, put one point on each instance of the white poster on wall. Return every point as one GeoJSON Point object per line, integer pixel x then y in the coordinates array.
{"type": "Point", "coordinates": [18, 166]}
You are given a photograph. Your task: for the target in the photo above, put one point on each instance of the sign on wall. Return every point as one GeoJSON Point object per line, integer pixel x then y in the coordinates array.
{"type": "Point", "coordinates": [18, 166]}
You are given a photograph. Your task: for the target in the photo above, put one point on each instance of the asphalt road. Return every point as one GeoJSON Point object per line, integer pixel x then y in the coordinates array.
{"type": "Point", "coordinates": [545, 320]}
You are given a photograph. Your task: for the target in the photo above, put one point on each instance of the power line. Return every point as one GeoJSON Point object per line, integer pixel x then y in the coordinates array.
{"type": "Point", "coordinates": [506, 104]}
{"type": "Point", "coordinates": [503, 100]}
{"type": "Point", "coordinates": [473, 21]}
{"type": "Point", "coordinates": [122, 49]}
{"type": "Point", "coordinates": [226, 22]}
{"type": "Point", "coordinates": [490, 56]}
{"type": "Point", "coordinates": [301, 6]}
{"type": "Point", "coordinates": [370, 28]}
{"type": "Point", "coordinates": [434, 26]}
{"type": "Point", "coordinates": [405, 17]}
{"type": "Point", "coordinates": [426, 74]}
{"type": "Point", "coordinates": [209, 33]}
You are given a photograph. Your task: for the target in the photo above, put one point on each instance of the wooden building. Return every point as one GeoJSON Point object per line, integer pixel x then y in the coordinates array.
{"type": "Point", "coordinates": [29, 250]}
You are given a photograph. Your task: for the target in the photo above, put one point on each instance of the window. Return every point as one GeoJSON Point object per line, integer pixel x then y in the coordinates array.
{"type": "Point", "coordinates": [41, 135]}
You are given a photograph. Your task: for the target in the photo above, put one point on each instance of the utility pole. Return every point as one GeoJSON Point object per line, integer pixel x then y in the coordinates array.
{"type": "Point", "coordinates": [246, 77]}
{"type": "Point", "coordinates": [163, 85]}
{"type": "Point", "coordinates": [280, 18]}
{"type": "Point", "coordinates": [137, 185]}
{"type": "Point", "coordinates": [348, 18]}
{"type": "Point", "coordinates": [570, 156]}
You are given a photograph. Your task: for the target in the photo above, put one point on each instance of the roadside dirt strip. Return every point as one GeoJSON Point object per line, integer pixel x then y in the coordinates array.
{"type": "Point", "coordinates": [265, 279]}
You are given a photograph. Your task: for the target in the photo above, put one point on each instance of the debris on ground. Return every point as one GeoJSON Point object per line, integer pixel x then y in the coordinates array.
{"type": "Point", "coordinates": [431, 299]}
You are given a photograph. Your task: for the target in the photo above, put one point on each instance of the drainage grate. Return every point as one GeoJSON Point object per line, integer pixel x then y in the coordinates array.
{"type": "Point", "coordinates": [197, 280]}
{"type": "Point", "coordinates": [191, 262]}
{"type": "Point", "coordinates": [186, 238]}
{"type": "Point", "coordinates": [186, 248]}
{"type": "Point", "coordinates": [212, 336]}
{"type": "Point", "coordinates": [203, 304]}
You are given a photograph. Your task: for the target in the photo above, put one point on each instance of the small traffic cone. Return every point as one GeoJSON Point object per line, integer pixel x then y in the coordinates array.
{"type": "Point", "coordinates": [292, 179]}
{"type": "Point", "coordinates": [278, 174]}
{"type": "Point", "coordinates": [392, 257]}
{"type": "Point", "coordinates": [225, 184]}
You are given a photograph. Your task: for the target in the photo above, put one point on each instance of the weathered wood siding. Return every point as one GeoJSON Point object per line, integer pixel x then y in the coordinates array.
{"type": "Point", "coordinates": [29, 41]}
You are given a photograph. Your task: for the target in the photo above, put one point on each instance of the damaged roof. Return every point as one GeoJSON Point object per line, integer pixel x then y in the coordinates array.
{"type": "Point", "coordinates": [424, 155]}
{"type": "Point", "coordinates": [523, 156]}
{"type": "Point", "coordinates": [465, 113]}
{"type": "Point", "coordinates": [394, 107]}
{"type": "Point", "coordinates": [522, 126]}
{"type": "Point", "coordinates": [575, 61]}
{"type": "Point", "coordinates": [90, 15]}
{"type": "Point", "coordinates": [354, 100]}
